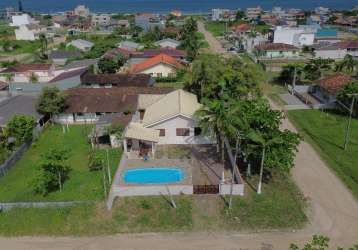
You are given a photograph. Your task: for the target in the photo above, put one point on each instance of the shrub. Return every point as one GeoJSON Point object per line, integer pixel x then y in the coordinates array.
{"type": "Point", "coordinates": [95, 161]}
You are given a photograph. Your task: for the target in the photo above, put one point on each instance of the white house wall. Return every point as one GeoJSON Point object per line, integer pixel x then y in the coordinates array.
{"type": "Point", "coordinates": [164, 69]}
{"type": "Point", "coordinates": [170, 127]}
{"type": "Point", "coordinates": [168, 44]}
{"type": "Point", "coordinates": [333, 54]}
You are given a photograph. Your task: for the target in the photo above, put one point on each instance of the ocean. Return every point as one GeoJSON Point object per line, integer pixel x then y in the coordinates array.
{"type": "Point", "coordinates": [164, 6]}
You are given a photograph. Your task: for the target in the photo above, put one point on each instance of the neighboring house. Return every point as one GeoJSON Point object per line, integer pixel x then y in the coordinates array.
{"type": "Point", "coordinates": [168, 43]}
{"type": "Point", "coordinates": [116, 80]}
{"type": "Point", "coordinates": [253, 13]}
{"type": "Point", "coordinates": [338, 50]}
{"type": "Point", "coordinates": [276, 50]}
{"type": "Point", "coordinates": [23, 19]}
{"type": "Point", "coordinates": [23, 72]}
{"type": "Point", "coordinates": [241, 29]}
{"type": "Point", "coordinates": [176, 53]}
{"type": "Point", "coordinates": [80, 64]}
{"type": "Point", "coordinates": [28, 32]}
{"type": "Point", "coordinates": [20, 104]}
{"type": "Point", "coordinates": [64, 79]}
{"type": "Point", "coordinates": [327, 88]}
{"type": "Point", "coordinates": [223, 15]}
{"type": "Point", "coordinates": [161, 65]}
{"type": "Point", "coordinates": [297, 36]}
{"type": "Point", "coordinates": [60, 57]}
{"type": "Point", "coordinates": [148, 21]}
{"type": "Point", "coordinates": [101, 20]}
{"type": "Point", "coordinates": [131, 46]}
{"type": "Point", "coordinates": [124, 23]}
{"type": "Point", "coordinates": [81, 44]}
{"type": "Point", "coordinates": [164, 119]}
{"type": "Point", "coordinates": [119, 52]}
{"type": "Point", "coordinates": [3, 86]}
{"type": "Point", "coordinates": [88, 105]}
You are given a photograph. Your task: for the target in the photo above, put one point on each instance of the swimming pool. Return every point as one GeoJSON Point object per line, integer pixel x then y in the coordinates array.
{"type": "Point", "coordinates": [154, 175]}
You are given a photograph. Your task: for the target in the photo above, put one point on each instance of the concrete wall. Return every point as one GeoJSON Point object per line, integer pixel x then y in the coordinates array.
{"type": "Point", "coordinates": [333, 54]}
{"type": "Point", "coordinates": [76, 118]}
{"type": "Point", "coordinates": [238, 189]}
{"type": "Point", "coordinates": [121, 191]}
{"type": "Point", "coordinates": [170, 127]}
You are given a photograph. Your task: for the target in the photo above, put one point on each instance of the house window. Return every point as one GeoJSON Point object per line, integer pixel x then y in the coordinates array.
{"type": "Point", "coordinates": [161, 132]}
{"type": "Point", "coordinates": [197, 131]}
{"type": "Point", "coordinates": [159, 74]}
{"type": "Point", "coordinates": [183, 132]}
{"type": "Point", "coordinates": [141, 114]}
{"type": "Point", "coordinates": [80, 114]}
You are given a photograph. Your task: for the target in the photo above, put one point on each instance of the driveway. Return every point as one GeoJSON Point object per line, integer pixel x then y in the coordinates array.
{"type": "Point", "coordinates": [333, 212]}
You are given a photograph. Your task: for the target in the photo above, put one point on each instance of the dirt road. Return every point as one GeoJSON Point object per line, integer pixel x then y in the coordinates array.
{"type": "Point", "coordinates": [333, 212]}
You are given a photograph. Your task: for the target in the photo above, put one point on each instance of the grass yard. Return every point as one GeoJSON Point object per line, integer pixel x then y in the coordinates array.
{"type": "Point", "coordinates": [20, 47]}
{"type": "Point", "coordinates": [325, 131]}
{"type": "Point", "coordinates": [216, 28]}
{"type": "Point", "coordinates": [82, 184]}
{"type": "Point", "coordinates": [280, 206]}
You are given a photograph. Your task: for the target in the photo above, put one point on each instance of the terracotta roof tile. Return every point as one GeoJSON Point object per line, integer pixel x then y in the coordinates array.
{"type": "Point", "coordinates": [118, 80]}
{"type": "Point", "coordinates": [335, 82]}
{"type": "Point", "coordinates": [112, 100]}
{"type": "Point", "coordinates": [168, 51]}
{"type": "Point", "coordinates": [241, 27]}
{"type": "Point", "coordinates": [161, 58]}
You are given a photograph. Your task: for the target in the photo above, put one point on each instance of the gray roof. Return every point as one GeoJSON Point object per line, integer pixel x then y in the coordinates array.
{"type": "Point", "coordinates": [21, 104]}
{"type": "Point", "coordinates": [64, 54]}
{"type": "Point", "coordinates": [129, 44]}
{"type": "Point", "coordinates": [80, 64]}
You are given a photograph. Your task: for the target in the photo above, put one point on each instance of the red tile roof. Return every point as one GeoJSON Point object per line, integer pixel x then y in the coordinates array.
{"type": "Point", "coordinates": [275, 46]}
{"type": "Point", "coordinates": [112, 100]}
{"type": "Point", "coordinates": [335, 82]}
{"type": "Point", "coordinates": [123, 120]}
{"type": "Point", "coordinates": [119, 51]}
{"type": "Point", "coordinates": [241, 27]}
{"type": "Point", "coordinates": [161, 58]}
{"type": "Point", "coordinates": [341, 45]}
{"type": "Point", "coordinates": [27, 67]}
{"type": "Point", "coordinates": [168, 51]}
{"type": "Point", "coordinates": [117, 80]}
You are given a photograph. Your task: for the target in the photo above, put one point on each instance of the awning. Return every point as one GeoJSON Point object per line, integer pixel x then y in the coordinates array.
{"type": "Point", "coordinates": [137, 131]}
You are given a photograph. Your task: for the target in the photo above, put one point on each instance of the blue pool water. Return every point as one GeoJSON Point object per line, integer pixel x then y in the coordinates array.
{"type": "Point", "coordinates": [153, 175]}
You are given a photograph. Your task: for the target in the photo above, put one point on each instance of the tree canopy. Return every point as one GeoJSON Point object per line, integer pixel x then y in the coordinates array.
{"type": "Point", "coordinates": [21, 128]}
{"type": "Point", "coordinates": [51, 101]}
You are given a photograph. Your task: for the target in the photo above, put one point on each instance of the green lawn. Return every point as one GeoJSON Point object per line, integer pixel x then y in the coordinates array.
{"type": "Point", "coordinates": [280, 206]}
{"type": "Point", "coordinates": [82, 184]}
{"type": "Point", "coordinates": [325, 131]}
{"type": "Point", "coordinates": [20, 47]}
{"type": "Point", "coordinates": [216, 28]}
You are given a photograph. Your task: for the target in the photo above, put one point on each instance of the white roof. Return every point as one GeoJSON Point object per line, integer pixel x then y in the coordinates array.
{"type": "Point", "coordinates": [82, 42]}
{"type": "Point", "coordinates": [168, 40]}
{"type": "Point", "coordinates": [176, 103]}
{"type": "Point", "coordinates": [137, 131]}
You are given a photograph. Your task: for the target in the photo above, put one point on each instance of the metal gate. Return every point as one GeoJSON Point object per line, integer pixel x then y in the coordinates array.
{"type": "Point", "coordinates": [206, 189]}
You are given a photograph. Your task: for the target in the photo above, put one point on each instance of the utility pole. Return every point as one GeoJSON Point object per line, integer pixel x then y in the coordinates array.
{"type": "Point", "coordinates": [346, 137]}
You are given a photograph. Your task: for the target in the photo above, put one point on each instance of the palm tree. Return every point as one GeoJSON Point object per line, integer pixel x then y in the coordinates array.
{"type": "Point", "coordinates": [347, 64]}
{"type": "Point", "coordinates": [264, 143]}
{"type": "Point", "coordinates": [215, 117]}
{"type": "Point", "coordinates": [9, 78]}
{"type": "Point", "coordinates": [313, 70]}
{"type": "Point", "coordinates": [33, 78]}
{"type": "Point", "coordinates": [43, 41]}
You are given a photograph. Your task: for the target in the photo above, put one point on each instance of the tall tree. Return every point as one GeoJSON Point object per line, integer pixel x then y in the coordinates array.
{"type": "Point", "coordinates": [189, 38]}
{"type": "Point", "coordinates": [21, 128]}
{"type": "Point", "coordinates": [315, 68]}
{"type": "Point", "coordinates": [54, 171]}
{"type": "Point", "coordinates": [51, 102]}
{"type": "Point", "coordinates": [44, 43]}
{"type": "Point", "coordinates": [348, 64]}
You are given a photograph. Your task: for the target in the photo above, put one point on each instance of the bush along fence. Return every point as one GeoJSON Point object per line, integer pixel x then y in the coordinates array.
{"type": "Point", "coordinates": [15, 156]}
{"type": "Point", "coordinates": [54, 204]}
